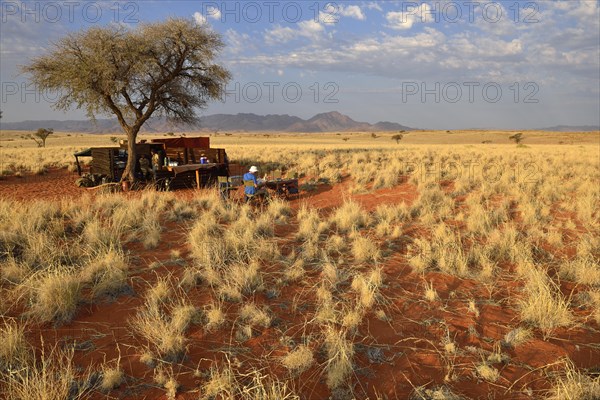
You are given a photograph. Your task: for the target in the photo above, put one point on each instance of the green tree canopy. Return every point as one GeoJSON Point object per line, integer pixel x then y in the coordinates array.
{"type": "Point", "coordinates": [398, 137]}
{"type": "Point", "coordinates": [40, 136]}
{"type": "Point", "coordinates": [517, 138]}
{"type": "Point", "coordinates": [161, 69]}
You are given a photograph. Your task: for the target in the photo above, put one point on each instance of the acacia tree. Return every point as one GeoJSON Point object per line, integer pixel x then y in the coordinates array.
{"type": "Point", "coordinates": [40, 136]}
{"type": "Point", "coordinates": [517, 138]}
{"type": "Point", "coordinates": [161, 69]}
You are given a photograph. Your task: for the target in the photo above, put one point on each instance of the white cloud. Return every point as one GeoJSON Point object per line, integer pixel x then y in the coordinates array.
{"type": "Point", "coordinates": [237, 42]}
{"type": "Point", "coordinates": [332, 12]}
{"type": "Point", "coordinates": [213, 12]}
{"type": "Point", "coordinates": [199, 18]}
{"type": "Point", "coordinates": [352, 12]}
{"type": "Point", "coordinates": [328, 18]}
{"type": "Point", "coordinates": [280, 34]}
{"type": "Point", "coordinates": [401, 20]}
{"type": "Point", "coordinates": [560, 5]}
{"type": "Point", "coordinates": [583, 9]}
{"type": "Point", "coordinates": [309, 29]}
{"type": "Point", "coordinates": [374, 6]}
{"type": "Point", "coordinates": [486, 47]}
{"type": "Point", "coordinates": [280, 72]}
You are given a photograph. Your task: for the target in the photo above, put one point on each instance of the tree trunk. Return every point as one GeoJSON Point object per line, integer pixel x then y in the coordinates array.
{"type": "Point", "coordinates": [129, 173]}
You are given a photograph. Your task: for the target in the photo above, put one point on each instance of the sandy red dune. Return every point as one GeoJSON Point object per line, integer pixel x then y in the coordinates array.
{"type": "Point", "coordinates": [410, 352]}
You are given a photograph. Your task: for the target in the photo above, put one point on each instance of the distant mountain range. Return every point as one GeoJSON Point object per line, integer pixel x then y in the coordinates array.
{"type": "Point", "coordinates": [325, 122]}
{"type": "Point", "coordinates": [572, 128]}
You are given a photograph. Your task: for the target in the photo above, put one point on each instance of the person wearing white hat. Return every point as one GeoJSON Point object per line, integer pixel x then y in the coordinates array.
{"type": "Point", "coordinates": [253, 190]}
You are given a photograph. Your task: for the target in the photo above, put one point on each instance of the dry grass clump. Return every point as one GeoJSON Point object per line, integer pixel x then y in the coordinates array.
{"type": "Point", "coordinates": [352, 317]}
{"type": "Point", "coordinates": [228, 258]}
{"type": "Point", "coordinates": [325, 305]}
{"type": "Point", "coordinates": [215, 247]}
{"type": "Point", "coordinates": [472, 308]}
{"type": "Point", "coordinates": [350, 216]}
{"type": "Point", "coordinates": [295, 271]}
{"type": "Point", "coordinates": [335, 245]}
{"type": "Point", "coordinates": [533, 214]}
{"type": "Point", "coordinates": [481, 258]}
{"type": "Point", "coordinates": [436, 393]}
{"type": "Point", "coordinates": [421, 255]}
{"type": "Point", "coordinates": [112, 376]}
{"type": "Point", "coordinates": [165, 377]}
{"type": "Point", "coordinates": [517, 337]}
{"type": "Point", "coordinates": [364, 249]}
{"type": "Point", "coordinates": [255, 316]}
{"type": "Point", "coordinates": [215, 317]}
{"type": "Point", "coordinates": [251, 317]}
{"type": "Point", "coordinates": [106, 274]}
{"type": "Point", "coordinates": [487, 372]}
{"type": "Point", "coordinates": [507, 244]}
{"type": "Point", "coordinates": [150, 231]}
{"type": "Point", "coordinates": [226, 383]}
{"type": "Point", "coordinates": [444, 252]}
{"type": "Point", "coordinates": [54, 295]}
{"type": "Point", "coordinates": [310, 250]}
{"type": "Point", "coordinates": [543, 304]}
{"type": "Point", "coordinates": [594, 302]}
{"type": "Point", "coordinates": [587, 202]}
{"type": "Point", "coordinates": [430, 292]}
{"type": "Point", "coordinates": [482, 220]}
{"type": "Point", "coordinates": [14, 349]}
{"type": "Point", "coordinates": [331, 275]}
{"type": "Point", "coordinates": [164, 318]}
{"type": "Point", "coordinates": [50, 376]}
{"type": "Point", "coordinates": [571, 384]}
{"type": "Point", "coordinates": [388, 218]}
{"type": "Point", "coordinates": [298, 360]}
{"type": "Point", "coordinates": [181, 211]}
{"type": "Point", "coordinates": [279, 210]}
{"type": "Point", "coordinates": [340, 351]}
{"type": "Point", "coordinates": [205, 233]}
{"type": "Point", "coordinates": [583, 270]}
{"type": "Point", "coordinates": [433, 205]}
{"type": "Point", "coordinates": [97, 235]}
{"type": "Point", "coordinates": [232, 282]}
{"type": "Point", "coordinates": [367, 288]}
{"type": "Point", "coordinates": [54, 251]}
{"type": "Point", "coordinates": [310, 224]}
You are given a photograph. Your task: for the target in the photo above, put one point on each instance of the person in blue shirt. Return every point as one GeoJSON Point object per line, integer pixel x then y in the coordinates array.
{"type": "Point", "coordinates": [256, 190]}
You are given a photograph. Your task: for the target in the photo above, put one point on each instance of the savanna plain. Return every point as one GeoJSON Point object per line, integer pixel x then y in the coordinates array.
{"type": "Point", "coordinates": [435, 265]}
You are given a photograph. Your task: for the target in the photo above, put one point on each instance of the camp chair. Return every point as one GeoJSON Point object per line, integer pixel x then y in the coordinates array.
{"type": "Point", "coordinates": [252, 197]}
{"type": "Point", "coordinates": [225, 186]}
{"type": "Point", "coordinates": [293, 190]}
{"type": "Point", "coordinates": [248, 197]}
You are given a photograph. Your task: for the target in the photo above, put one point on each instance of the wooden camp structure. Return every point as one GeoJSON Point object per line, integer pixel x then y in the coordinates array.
{"type": "Point", "coordinates": [179, 158]}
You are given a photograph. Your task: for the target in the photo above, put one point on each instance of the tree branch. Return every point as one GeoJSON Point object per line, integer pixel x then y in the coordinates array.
{"type": "Point", "coordinates": [138, 113]}
{"type": "Point", "coordinates": [111, 104]}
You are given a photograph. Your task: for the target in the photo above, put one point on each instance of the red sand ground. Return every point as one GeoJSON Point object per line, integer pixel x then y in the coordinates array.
{"type": "Point", "coordinates": [411, 340]}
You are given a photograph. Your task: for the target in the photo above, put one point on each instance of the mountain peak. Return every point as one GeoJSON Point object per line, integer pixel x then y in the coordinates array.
{"type": "Point", "coordinates": [332, 116]}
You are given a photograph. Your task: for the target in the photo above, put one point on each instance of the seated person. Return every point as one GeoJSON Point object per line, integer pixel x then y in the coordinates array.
{"type": "Point", "coordinates": [256, 190]}
{"type": "Point", "coordinates": [156, 164]}
{"type": "Point", "coordinates": [145, 166]}
{"type": "Point", "coordinates": [179, 159]}
{"type": "Point", "coordinates": [203, 159]}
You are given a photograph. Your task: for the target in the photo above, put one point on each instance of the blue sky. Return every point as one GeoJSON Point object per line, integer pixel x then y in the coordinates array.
{"type": "Point", "coordinates": [434, 64]}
